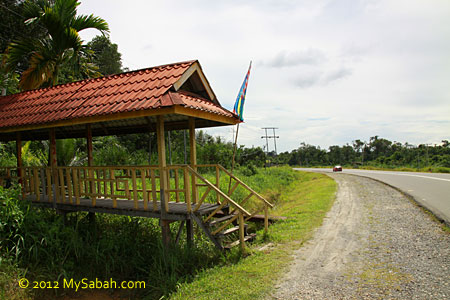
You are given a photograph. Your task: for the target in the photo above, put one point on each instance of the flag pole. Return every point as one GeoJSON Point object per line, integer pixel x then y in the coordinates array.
{"type": "Point", "coordinates": [234, 155]}
{"type": "Point", "coordinates": [238, 108]}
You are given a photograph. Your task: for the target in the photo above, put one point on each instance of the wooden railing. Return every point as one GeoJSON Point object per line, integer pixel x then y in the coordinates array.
{"type": "Point", "coordinates": [142, 185]}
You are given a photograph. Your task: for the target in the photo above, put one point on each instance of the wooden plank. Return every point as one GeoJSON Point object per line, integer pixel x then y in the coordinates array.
{"type": "Point", "coordinates": [111, 186]}
{"type": "Point", "coordinates": [241, 231]}
{"type": "Point", "coordinates": [49, 184]}
{"type": "Point", "coordinates": [99, 184]}
{"type": "Point", "coordinates": [95, 119]}
{"type": "Point", "coordinates": [202, 199]}
{"type": "Point", "coordinates": [216, 210]}
{"type": "Point", "coordinates": [105, 187]}
{"type": "Point", "coordinates": [134, 185]}
{"type": "Point", "coordinates": [177, 187]}
{"type": "Point", "coordinates": [162, 159]}
{"type": "Point", "coordinates": [246, 186]}
{"type": "Point", "coordinates": [233, 188]}
{"type": "Point", "coordinates": [36, 184]}
{"type": "Point", "coordinates": [19, 162]}
{"type": "Point", "coordinates": [225, 224]}
{"type": "Point", "coordinates": [187, 195]}
{"type": "Point", "coordinates": [69, 185]}
{"type": "Point", "coordinates": [144, 188]}
{"type": "Point", "coordinates": [153, 181]}
{"type": "Point", "coordinates": [193, 158]}
{"type": "Point", "coordinates": [76, 187]}
{"type": "Point", "coordinates": [92, 186]}
{"type": "Point", "coordinates": [62, 191]}
{"type": "Point", "coordinates": [231, 201]}
{"type": "Point", "coordinates": [217, 183]}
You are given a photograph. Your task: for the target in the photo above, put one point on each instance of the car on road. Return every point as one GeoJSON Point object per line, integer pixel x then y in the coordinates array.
{"type": "Point", "coordinates": [337, 169]}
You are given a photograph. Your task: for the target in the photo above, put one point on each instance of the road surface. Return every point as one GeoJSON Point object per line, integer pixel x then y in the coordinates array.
{"type": "Point", "coordinates": [373, 244]}
{"type": "Point", "coordinates": [431, 190]}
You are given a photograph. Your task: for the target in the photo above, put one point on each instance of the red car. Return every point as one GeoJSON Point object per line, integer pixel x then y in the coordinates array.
{"type": "Point", "coordinates": [337, 169]}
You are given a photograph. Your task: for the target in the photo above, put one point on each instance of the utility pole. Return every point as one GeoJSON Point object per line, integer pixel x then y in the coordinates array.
{"type": "Point", "coordinates": [267, 137]}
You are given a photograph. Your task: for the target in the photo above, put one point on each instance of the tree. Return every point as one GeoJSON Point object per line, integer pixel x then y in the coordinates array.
{"type": "Point", "coordinates": [106, 56]}
{"type": "Point", "coordinates": [61, 45]}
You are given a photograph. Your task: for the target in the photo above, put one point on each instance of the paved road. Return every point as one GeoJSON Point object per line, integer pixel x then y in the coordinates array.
{"type": "Point", "coordinates": [431, 190]}
{"type": "Point", "coordinates": [373, 244]}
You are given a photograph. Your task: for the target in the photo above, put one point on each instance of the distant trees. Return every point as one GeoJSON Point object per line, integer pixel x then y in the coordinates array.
{"type": "Point", "coordinates": [377, 152]}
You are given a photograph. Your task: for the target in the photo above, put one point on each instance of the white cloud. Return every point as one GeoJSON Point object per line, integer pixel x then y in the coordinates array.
{"type": "Point", "coordinates": [328, 72]}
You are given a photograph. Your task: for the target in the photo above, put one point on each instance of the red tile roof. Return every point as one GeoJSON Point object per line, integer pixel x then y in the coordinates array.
{"type": "Point", "coordinates": [132, 91]}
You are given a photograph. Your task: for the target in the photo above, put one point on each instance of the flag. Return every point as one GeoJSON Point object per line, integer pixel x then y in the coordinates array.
{"type": "Point", "coordinates": [239, 105]}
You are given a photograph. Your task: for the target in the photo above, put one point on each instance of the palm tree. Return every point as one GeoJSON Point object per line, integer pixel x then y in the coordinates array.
{"type": "Point", "coordinates": [61, 46]}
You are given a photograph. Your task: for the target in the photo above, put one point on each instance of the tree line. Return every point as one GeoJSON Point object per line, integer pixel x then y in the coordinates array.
{"type": "Point", "coordinates": [376, 152]}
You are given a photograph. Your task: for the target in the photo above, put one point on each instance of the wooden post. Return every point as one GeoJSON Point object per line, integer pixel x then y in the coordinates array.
{"type": "Point", "coordinates": [193, 158]}
{"type": "Point", "coordinates": [164, 197]}
{"type": "Point", "coordinates": [189, 232]}
{"type": "Point", "coordinates": [20, 162]}
{"type": "Point", "coordinates": [241, 231]}
{"type": "Point", "coordinates": [91, 215]}
{"type": "Point", "coordinates": [162, 160]}
{"type": "Point", "coordinates": [89, 145]}
{"type": "Point", "coordinates": [53, 165]}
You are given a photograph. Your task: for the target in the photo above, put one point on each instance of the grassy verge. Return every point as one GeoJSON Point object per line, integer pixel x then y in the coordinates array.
{"type": "Point", "coordinates": [39, 245]}
{"type": "Point", "coordinates": [305, 203]}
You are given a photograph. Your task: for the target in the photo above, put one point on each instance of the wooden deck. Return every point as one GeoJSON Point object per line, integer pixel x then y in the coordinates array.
{"type": "Point", "coordinates": [177, 211]}
{"type": "Point", "coordinates": [170, 193]}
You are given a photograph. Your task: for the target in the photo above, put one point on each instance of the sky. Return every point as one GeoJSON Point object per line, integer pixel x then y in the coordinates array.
{"type": "Point", "coordinates": [324, 72]}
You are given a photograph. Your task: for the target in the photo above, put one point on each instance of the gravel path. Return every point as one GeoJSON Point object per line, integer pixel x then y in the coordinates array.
{"type": "Point", "coordinates": [374, 244]}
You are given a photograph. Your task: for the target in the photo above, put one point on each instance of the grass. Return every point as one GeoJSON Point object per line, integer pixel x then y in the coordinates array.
{"type": "Point", "coordinates": [37, 244]}
{"type": "Point", "coordinates": [305, 203]}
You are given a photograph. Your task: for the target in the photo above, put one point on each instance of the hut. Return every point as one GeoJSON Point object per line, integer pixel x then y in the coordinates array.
{"type": "Point", "coordinates": [158, 99]}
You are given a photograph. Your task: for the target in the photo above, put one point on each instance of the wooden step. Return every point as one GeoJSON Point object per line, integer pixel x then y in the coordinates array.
{"type": "Point", "coordinates": [220, 220]}
{"type": "Point", "coordinates": [228, 231]}
{"type": "Point", "coordinates": [235, 243]}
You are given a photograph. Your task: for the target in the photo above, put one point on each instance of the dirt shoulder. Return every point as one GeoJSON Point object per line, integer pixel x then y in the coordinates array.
{"type": "Point", "coordinates": [374, 243]}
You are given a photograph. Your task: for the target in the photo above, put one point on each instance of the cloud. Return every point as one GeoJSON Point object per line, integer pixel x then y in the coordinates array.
{"type": "Point", "coordinates": [336, 75]}
{"type": "Point", "coordinates": [290, 59]}
{"type": "Point", "coordinates": [309, 79]}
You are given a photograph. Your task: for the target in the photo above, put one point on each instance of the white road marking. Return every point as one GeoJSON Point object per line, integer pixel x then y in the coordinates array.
{"type": "Point", "coordinates": [400, 174]}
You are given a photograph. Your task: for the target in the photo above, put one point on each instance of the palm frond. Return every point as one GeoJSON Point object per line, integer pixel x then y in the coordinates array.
{"type": "Point", "coordinates": [17, 51]}
{"type": "Point", "coordinates": [84, 22]}
{"type": "Point", "coordinates": [41, 71]}
{"type": "Point", "coordinates": [66, 10]}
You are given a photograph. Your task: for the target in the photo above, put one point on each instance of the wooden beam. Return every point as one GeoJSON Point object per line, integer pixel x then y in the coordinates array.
{"type": "Point", "coordinates": [20, 162]}
{"type": "Point", "coordinates": [93, 119]}
{"type": "Point", "coordinates": [19, 153]}
{"type": "Point", "coordinates": [190, 112]}
{"type": "Point", "coordinates": [90, 156]}
{"type": "Point", "coordinates": [89, 145]}
{"type": "Point", "coordinates": [53, 164]}
{"type": "Point", "coordinates": [53, 158]}
{"type": "Point", "coordinates": [162, 158]}
{"type": "Point", "coordinates": [193, 158]}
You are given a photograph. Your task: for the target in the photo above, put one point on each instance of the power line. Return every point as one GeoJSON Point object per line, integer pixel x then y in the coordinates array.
{"type": "Point", "coordinates": [267, 137]}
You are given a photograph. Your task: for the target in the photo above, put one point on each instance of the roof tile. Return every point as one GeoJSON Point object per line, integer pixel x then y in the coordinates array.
{"type": "Point", "coordinates": [135, 90]}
